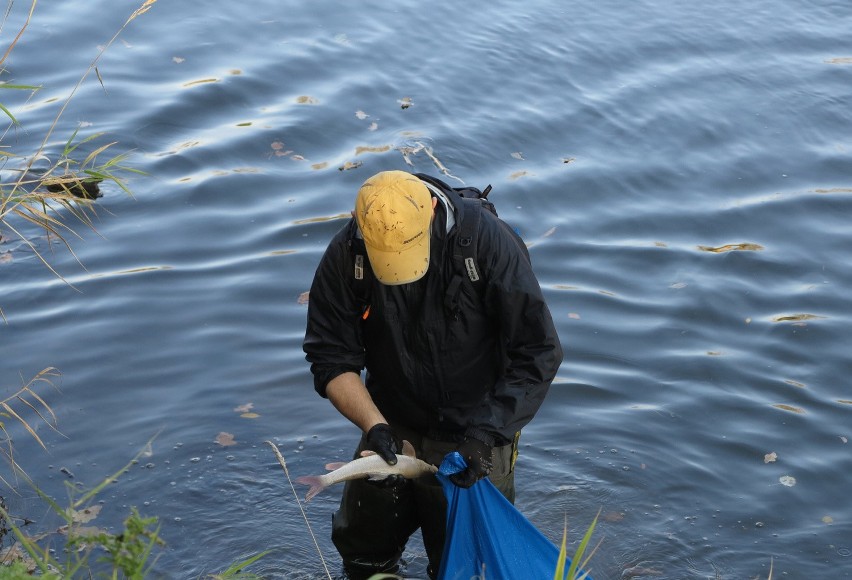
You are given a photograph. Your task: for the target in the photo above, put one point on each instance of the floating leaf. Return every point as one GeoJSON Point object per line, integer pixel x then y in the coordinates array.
{"type": "Point", "coordinates": [306, 100]}
{"type": "Point", "coordinates": [518, 175]}
{"type": "Point", "coordinates": [249, 415]}
{"type": "Point", "coordinates": [365, 149]}
{"type": "Point", "coordinates": [796, 317]}
{"type": "Point", "coordinates": [518, 155]}
{"type": "Point", "coordinates": [678, 285]}
{"type": "Point", "coordinates": [85, 515]}
{"type": "Point", "coordinates": [373, 126]}
{"type": "Point", "coordinates": [770, 457]}
{"type": "Point", "coordinates": [790, 408]}
{"type": "Point", "coordinates": [835, 189]}
{"type": "Point", "coordinates": [574, 315]}
{"type": "Point", "coordinates": [200, 82]}
{"type": "Point", "coordinates": [318, 166]}
{"type": "Point", "coordinates": [840, 60]}
{"type": "Point", "coordinates": [304, 297]}
{"type": "Point", "coordinates": [278, 149]}
{"type": "Point", "coordinates": [225, 439]}
{"type": "Point", "coordinates": [827, 520]}
{"type": "Point", "coordinates": [787, 480]}
{"type": "Point", "coordinates": [844, 401]}
{"type": "Point", "coordinates": [731, 248]}
{"type": "Point", "coordinates": [244, 408]}
{"type": "Point", "coordinates": [178, 59]}
{"type": "Point", "coordinates": [6, 258]}
{"type": "Point", "coordinates": [613, 517]}
{"type": "Point", "coordinates": [361, 115]}
{"type": "Point", "coordinates": [350, 165]}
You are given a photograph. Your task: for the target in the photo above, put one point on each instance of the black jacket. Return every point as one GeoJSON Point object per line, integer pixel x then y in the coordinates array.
{"type": "Point", "coordinates": [483, 361]}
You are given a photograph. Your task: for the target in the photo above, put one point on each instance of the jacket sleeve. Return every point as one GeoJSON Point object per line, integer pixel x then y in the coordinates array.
{"type": "Point", "coordinates": [533, 351]}
{"type": "Point", "coordinates": [333, 343]}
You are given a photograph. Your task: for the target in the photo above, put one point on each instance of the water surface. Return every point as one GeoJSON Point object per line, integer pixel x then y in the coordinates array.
{"type": "Point", "coordinates": [681, 174]}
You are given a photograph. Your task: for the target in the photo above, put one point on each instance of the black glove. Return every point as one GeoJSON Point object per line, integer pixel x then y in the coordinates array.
{"type": "Point", "coordinates": [477, 455]}
{"type": "Point", "coordinates": [383, 441]}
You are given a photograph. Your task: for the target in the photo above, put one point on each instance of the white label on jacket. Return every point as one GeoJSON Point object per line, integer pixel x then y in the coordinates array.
{"type": "Point", "coordinates": [359, 267]}
{"type": "Point", "coordinates": [470, 266]}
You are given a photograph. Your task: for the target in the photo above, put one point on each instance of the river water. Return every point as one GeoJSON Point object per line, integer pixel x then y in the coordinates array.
{"type": "Point", "coordinates": [681, 172]}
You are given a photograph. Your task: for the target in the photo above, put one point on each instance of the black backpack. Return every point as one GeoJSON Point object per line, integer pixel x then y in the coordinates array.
{"type": "Point", "coordinates": [469, 202]}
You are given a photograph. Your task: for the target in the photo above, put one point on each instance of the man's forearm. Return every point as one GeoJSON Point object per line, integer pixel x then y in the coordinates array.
{"type": "Point", "coordinates": [349, 396]}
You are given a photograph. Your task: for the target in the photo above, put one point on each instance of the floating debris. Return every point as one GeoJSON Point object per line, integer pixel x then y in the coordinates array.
{"type": "Point", "coordinates": [787, 480]}
{"type": "Point", "coordinates": [225, 439]}
{"type": "Point", "coordinates": [746, 247]}
{"type": "Point", "coordinates": [770, 457]}
{"type": "Point", "coordinates": [416, 147]}
{"type": "Point", "coordinates": [201, 82]}
{"type": "Point", "coordinates": [790, 408]}
{"type": "Point", "coordinates": [835, 190]}
{"type": "Point", "coordinates": [350, 165]}
{"type": "Point", "coordinates": [405, 102]}
{"type": "Point", "coordinates": [367, 149]}
{"type": "Point", "coordinates": [82, 188]}
{"type": "Point", "coordinates": [796, 317]}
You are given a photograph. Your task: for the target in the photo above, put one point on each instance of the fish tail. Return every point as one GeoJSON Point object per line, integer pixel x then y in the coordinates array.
{"type": "Point", "coordinates": [315, 482]}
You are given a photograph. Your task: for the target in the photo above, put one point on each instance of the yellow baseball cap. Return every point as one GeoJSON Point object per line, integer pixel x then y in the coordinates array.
{"type": "Point", "coordinates": [394, 212]}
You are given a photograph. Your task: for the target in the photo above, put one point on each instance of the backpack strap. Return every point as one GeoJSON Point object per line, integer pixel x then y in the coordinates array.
{"type": "Point", "coordinates": [362, 273]}
{"type": "Point", "coordinates": [470, 212]}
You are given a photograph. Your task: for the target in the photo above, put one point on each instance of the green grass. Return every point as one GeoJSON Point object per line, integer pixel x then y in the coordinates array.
{"type": "Point", "coordinates": [55, 197]}
{"type": "Point", "coordinates": [87, 551]}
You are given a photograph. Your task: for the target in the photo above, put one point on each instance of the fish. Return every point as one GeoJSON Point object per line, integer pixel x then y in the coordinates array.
{"type": "Point", "coordinates": [369, 465]}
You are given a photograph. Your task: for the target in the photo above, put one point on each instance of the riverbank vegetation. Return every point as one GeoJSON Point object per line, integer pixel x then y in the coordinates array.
{"type": "Point", "coordinates": [53, 186]}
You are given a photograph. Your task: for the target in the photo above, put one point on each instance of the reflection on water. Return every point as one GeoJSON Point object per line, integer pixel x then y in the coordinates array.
{"type": "Point", "coordinates": [680, 174]}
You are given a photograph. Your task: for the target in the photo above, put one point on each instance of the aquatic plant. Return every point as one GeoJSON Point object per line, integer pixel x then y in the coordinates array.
{"type": "Point", "coordinates": [26, 398]}
{"type": "Point", "coordinates": [69, 186]}
{"type": "Point", "coordinates": [89, 551]}
{"type": "Point", "coordinates": [577, 570]}
{"type": "Point", "coordinates": [51, 199]}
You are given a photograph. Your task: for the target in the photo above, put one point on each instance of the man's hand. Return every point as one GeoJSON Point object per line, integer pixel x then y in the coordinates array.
{"type": "Point", "coordinates": [382, 440]}
{"type": "Point", "coordinates": [477, 455]}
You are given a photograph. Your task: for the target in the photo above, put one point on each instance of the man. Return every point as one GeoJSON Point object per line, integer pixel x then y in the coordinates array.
{"type": "Point", "coordinates": [449, 366]}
